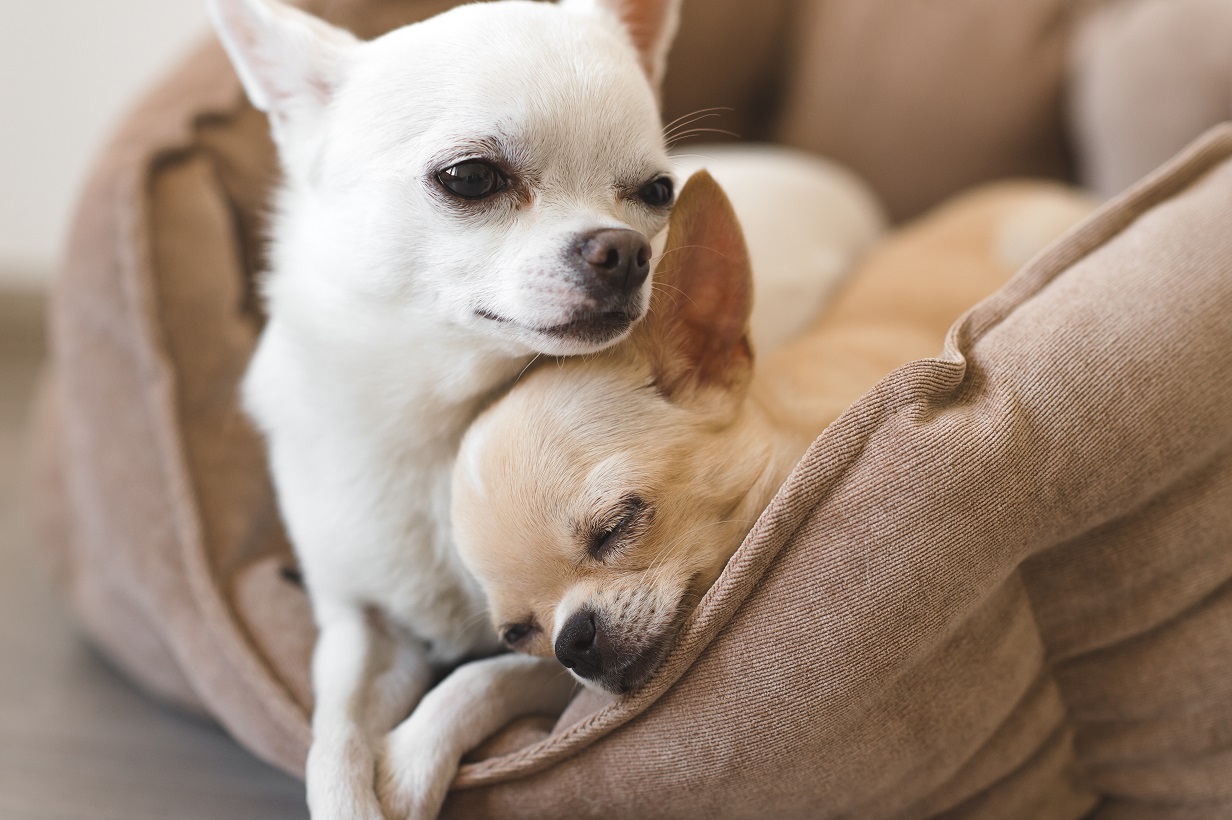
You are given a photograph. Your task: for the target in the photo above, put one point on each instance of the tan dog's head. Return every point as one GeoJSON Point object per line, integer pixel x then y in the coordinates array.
{"type": "Point", "coordinates": [603, 496]}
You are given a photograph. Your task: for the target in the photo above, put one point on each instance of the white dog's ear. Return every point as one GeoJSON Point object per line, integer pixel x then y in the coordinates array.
{"type": "Point", "coordinates": [650, 24]}
{"type": "Point", "coordinates": [696, 333]}
{"type": "Point", "coordinates": [289, 61]}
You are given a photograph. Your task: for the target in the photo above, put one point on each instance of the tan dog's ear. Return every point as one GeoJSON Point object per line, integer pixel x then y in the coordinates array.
{"type": "Point", "coordinates": [696, 334]}
{"type": "Point", "coordinates": [650, 24]}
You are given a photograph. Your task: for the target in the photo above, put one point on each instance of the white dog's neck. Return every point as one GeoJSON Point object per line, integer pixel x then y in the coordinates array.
{"type": "Point", "coordinates": [340, 319]}
{"type": "Point", "coordinates": [364, 394]}
{"type": "Point", "coordinates": [370, 422]}
{"type": "Point", "coordinates": [412, 386]}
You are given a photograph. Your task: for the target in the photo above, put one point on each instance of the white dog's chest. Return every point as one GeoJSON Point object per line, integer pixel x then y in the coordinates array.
{"type": "Point", "coordinates": [367, 508]}
{"type": "Point", "coordinates": [381, 538]}
{"type": "Point", "coordinates": [422, 595]}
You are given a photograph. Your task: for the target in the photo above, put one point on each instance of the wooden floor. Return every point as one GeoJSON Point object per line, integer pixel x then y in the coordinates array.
{"type": "Point", "coordinates": [76, 741]}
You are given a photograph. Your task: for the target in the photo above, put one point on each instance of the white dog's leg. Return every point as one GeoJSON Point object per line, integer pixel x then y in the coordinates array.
{"type": "Point", "coordinates": [422, 754]}
{"type": "Point", "coordinates": [361, 677]}
{"type": "Point", "coordinates": [398, 689]}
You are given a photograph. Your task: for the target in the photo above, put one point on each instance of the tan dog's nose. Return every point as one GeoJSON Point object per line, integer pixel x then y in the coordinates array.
{"type": "Point", "coordinates": [619, 258]}
{"type": "Point", "coordinates": [577, 646]}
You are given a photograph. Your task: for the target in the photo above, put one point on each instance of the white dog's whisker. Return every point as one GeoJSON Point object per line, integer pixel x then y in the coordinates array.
{"type": "Point", "coordinates": [718, 108]}
{"type": "Point", "coordinates": [694, 132]}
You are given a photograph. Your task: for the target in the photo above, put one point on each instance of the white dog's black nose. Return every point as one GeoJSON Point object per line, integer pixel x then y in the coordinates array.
{"type": "Point", "coordinates": [577, 646]}
{"type": "Point", "coordinates": [618, 258]}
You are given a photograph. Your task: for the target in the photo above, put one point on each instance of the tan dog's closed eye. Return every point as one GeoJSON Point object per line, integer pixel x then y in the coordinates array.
{"type": "Point", "coordinates": [601, 498]}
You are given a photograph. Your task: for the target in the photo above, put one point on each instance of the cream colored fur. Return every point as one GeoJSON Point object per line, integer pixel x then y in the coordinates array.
{"type": "Point", "coordinates": [664, 450]}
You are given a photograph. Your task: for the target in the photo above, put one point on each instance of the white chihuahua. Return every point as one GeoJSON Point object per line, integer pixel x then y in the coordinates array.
{"type": "Point", "coordinates": [457, 196]}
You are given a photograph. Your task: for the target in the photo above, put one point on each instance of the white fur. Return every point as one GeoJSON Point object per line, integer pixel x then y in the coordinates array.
{"type": "Point", "coordinates": [651, 25]}
{"type": "Point", "coordinates": [457, 716]}
{"type": "Point", "coordinates": [375, 357]}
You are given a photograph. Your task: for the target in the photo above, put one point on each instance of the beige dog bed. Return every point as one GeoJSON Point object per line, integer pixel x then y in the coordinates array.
{"type": "Point", "coordinates": [999, 586]}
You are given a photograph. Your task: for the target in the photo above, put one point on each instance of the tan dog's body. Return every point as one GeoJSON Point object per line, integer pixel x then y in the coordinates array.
{"type": "Point", "coordinates": [909, 292]}
{"type": "Point", "coordinates": [602, 497]}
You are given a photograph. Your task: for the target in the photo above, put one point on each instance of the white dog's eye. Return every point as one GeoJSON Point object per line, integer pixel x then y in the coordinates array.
{"type": "Point", "coordinates": [472, 179]}
{"type": "Point", "coordinates": [658, 193]}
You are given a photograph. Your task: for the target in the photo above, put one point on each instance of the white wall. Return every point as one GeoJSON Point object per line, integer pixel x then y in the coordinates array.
{"type": "Point", "coordinates": [69, 69]}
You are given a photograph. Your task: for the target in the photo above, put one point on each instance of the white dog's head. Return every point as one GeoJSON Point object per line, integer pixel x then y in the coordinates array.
{"type": "Point", "coordinates": [497, 169]}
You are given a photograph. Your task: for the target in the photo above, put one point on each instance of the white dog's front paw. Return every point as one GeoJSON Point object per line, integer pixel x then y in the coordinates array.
{"type": "Point", "coordinates": [415, 772]}
{"type": "Point", "coordinates": [341, 781]}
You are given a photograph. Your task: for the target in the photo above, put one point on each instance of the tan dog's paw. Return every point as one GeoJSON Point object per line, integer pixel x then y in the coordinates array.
{"type": "Point", "coordinates": [415, 771]}
{"type": "Point", "coordinates": [340, 777]}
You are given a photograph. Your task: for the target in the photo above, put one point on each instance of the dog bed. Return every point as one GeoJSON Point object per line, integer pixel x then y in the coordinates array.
{"type": "Point", "coordinates": [998, 586]}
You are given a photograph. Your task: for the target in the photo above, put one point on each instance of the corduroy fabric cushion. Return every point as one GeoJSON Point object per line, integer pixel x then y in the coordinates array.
{"type": "Point", "coordinates": [158, 505]}
{"type": "Point", "coordinates": [998, 586]}
{"type": "Point", "coordinates": [994, 587]}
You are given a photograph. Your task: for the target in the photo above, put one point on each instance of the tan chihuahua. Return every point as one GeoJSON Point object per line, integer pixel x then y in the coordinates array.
{"type": "Point", "coordinates": [599, 500]}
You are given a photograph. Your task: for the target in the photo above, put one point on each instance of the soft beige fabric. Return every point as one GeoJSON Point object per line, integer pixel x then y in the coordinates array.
{"type": "Point", "coordinates": [1147, 76]}
{"type": "Point", "coordinates": [164, 497]}
{"type": "Point", "coordinates": [925, 99]}
{"type": "Point", "coordinates": [1013, 595]}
